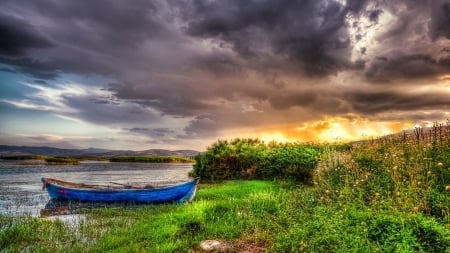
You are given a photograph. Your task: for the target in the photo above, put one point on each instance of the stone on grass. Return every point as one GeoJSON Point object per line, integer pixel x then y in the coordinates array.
{"type": "Point", "coordinates": [214, 246]}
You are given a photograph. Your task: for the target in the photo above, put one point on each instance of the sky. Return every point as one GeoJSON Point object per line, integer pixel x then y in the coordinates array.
{"type": "Point", "coordinates": [181, 74]}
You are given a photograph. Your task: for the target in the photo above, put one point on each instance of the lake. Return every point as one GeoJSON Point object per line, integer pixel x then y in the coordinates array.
{"type": "Point", "coordinates": [21, 188]}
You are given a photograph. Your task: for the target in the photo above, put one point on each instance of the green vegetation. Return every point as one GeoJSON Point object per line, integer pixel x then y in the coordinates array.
{"type": "Point", "coordinates": [276, 216]}
{"type": "Point", "coordinates": [252, 159]}
{"type": "Point", "coordinates": [24, 157]}
{"type": "Point", "coordinates": [61, 160]}
{"type": "Point", "coordinates": [151, 159]}
{"type": "Point", "coordinates": [384, 195]}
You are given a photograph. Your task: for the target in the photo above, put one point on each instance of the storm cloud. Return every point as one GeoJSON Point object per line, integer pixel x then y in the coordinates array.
{"type": "Point", "coordinates": [18, 35]}
{"type": "Point", "coordinates": [196, 69]}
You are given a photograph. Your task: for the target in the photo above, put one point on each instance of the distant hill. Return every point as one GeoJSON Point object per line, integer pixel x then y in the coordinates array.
{"type": "Point", "coordinates": [6, 150]}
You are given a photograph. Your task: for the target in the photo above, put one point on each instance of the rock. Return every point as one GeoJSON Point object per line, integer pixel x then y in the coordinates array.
{"type": "Point", "coordinates": [215, 246]}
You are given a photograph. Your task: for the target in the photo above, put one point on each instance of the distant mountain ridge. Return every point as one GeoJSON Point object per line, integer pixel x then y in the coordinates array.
{"type": "Point", "coordinates": [7, 150]}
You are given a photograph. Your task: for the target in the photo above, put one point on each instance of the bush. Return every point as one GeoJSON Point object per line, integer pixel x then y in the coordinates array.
{"type": "Point", "coordinates": [252, 159]}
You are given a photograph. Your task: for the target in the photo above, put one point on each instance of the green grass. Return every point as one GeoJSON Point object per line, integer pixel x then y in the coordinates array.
{"type": "Point", "coordinates": [278, 216]}
{"type": "Point", "coordinates": [23, 157]}
{"type": "Point", "coordinates": [152, 159]}
{"type": "Point", "coordinates": [61, 160]}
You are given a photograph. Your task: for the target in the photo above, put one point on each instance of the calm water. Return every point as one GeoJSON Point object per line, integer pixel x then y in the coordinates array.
{"type": "Point", "coordinates": [21, 188]}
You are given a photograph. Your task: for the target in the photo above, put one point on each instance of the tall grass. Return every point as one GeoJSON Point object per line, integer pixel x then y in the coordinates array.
{"type": "Point", "coordinates": [407, 172]}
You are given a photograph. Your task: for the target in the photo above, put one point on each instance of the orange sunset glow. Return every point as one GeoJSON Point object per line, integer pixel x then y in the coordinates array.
{"type": "Point", "coordinates": [331, 130]}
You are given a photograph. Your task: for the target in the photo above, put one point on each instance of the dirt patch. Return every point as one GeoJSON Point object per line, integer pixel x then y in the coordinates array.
{"type": "Point", "coordinates": [247, 247]}
{"type": "Point", "coordinates": [238, 246]}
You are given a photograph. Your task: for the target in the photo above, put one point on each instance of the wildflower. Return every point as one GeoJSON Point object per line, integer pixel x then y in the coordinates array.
{"type": "Point", "coordinates": [447, 188]}
{"type": "Point", "coordinates": [440, 164]}
{"type": "Point", "coordinates": [429, 172]}
{"type": "Point", "coordinates": [327, 191]}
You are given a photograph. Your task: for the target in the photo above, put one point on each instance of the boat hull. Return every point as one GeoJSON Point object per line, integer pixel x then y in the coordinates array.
{"type": "Point", "coordinates": [174, 193]}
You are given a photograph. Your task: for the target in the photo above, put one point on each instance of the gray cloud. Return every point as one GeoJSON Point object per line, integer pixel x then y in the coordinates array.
{"type": "Point", "coordinates": [384, 101]}
{"type": "Point", "coordinates": [310, 34]}
{"type": "Point", "coordinates": [153, 132]}
{"type": "Point", "coordinates": [34, 67]}
{"type": "Point", "coordinates": [285, 101]}
{"type": "Point", "coordinates": [18, 35]}
{"type": "Point", "coordinates": [413, 66]}
{"type": "Point", "coordinates": [214, 65]}
{"type": "Point", "coordinates": [107, 113]}
{"type": "Point", "coordinates": [440, 19]}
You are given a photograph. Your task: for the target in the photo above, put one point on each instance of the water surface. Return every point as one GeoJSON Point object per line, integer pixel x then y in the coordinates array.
{"type": "Point", "coordinates": [21, 188]}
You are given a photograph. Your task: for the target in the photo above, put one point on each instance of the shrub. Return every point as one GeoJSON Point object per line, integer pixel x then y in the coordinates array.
{"type": "Point", "coordinates": [252, 159]}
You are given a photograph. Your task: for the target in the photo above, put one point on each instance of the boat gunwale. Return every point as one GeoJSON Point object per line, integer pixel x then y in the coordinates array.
{"type": "Point", "coordinates": [109, 188]}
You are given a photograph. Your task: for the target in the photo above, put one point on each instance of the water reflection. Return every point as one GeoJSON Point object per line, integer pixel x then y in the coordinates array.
{"type": "Point", "coordinates": [21, 189]}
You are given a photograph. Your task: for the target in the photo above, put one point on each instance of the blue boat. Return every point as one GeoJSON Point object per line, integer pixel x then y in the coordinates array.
{"type": "Point", "coordinates": [178, 193]}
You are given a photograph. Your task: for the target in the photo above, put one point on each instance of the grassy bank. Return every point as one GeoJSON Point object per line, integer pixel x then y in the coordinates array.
{"type": "Point", "coordinates": [62, 161]}
{"type": "Point", "coordinates": [274, 216]}
{"type": "Point", "coordinates": [151, 159]}
{"type": "Point", "coordinates": [23, 157]}
{"type": "Point", "coordinates": [76, 160]}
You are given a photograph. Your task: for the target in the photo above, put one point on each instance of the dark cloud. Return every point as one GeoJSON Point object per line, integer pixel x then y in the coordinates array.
{"type": "Point", "coordinates": [153, 132]}
{"type": "Point", "coordinates": [285, 101]}
{"type": "Point", "coordinates": [40, 81]}
{"type": "Point", "coordinates": [103, 23]}
{"type": "Point", "coordinates": [19, 35]}
{"type": "Point", "coordinates": [34, 67]}
{"type": "Point", "coordinates": [310, 34]}
{"type": "Point", "coordinates": [107, 113]}
{"type": "Point", "coordinates": [374, 15]}
{"type": "Point", "coordinates": [415, 66]}
{"type": "Point", "coordinates": [275, 80]}
{"type": "Point", "coordinates": [440, 19]}
{"type": "Point", "coordinates": [355, 6]}
{"type": "Point", "coordinates": [202, 126]}
{"type": "Point", "coordinates": [370, 103]}
{"type": "Point", "coordinates": [8, 70]}
{"type": "Point", "coordinates": [433, 116]}
{"type": "Point", "coordinates": [219, 64]}
{"type": "Point", "coordinates": [407, 50]}
{"type": "Point", "coordinates": [88, 38]}
{"type": "Point", "coordinates": [176, 101]}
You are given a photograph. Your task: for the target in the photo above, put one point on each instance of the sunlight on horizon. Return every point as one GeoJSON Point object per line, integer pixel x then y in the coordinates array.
{"type": "Point", "coordinates": [334, 129]}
